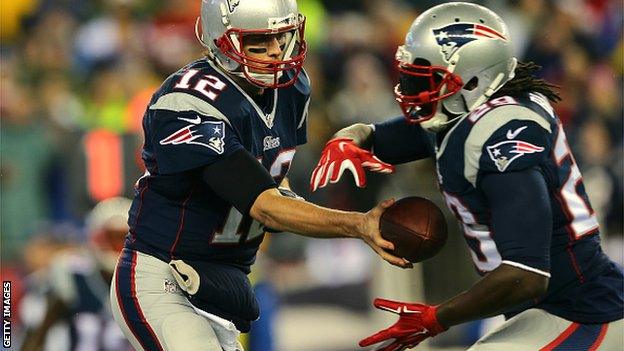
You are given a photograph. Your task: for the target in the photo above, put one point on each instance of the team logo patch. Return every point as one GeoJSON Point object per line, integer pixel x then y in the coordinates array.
{"type": "Point", "coordinates": [207, 134]}
{"type": "Point", "coordinates": [170, 286]}
{"type": "Point", "coordinates": [452, 37]}
{"type": "Point", "coordinates": [270, 142]}
{"type": "Point", "coordinates": [505, 152]}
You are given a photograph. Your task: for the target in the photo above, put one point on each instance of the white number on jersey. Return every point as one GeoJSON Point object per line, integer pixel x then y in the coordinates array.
{"type": "Point", "coordinates": [208, 81]}
{"type": "Point", "coordinates": [237, 226]}
{"type": "Point", "coordinates": [483, 249]}
{"type": "Point", "coordinates": [582, 218]}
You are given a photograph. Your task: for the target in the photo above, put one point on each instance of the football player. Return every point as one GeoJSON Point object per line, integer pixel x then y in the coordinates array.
{"type": "Point", "coordinates": [220, 135]}
{"type": "Point", "coordinates": [74, 296]}
{"type": "Point", "coordinates": [507, 173]}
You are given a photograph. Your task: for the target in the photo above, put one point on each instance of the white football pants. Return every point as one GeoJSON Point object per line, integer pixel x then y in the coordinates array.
{"type": "Point", "coordinates": [154, 314]}
{"type": "Point", "coordinates": [536, 329]}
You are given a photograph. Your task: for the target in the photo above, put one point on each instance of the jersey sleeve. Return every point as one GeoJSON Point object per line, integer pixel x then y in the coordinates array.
{"type": "Point", "coordinates": [302, 127]}
{"type": "Point", "coordinates": [396, 141]}
{"type": "Point", "coordinates": [187, 133]}
{"type": "Point", "coordinates": [303, 87]}
{"type": "Point", "coordinates": [507, 139]}
{"type": "Point", "coordinates": [521, 228]}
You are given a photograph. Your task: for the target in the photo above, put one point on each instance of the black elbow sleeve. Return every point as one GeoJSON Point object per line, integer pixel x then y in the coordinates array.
{"type": "Point", "coordinates": [238, 179]}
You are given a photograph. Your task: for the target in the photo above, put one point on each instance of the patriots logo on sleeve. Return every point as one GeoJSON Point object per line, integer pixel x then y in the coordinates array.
{"type": "Point", "coordinates": [207, 134]}
{"type": "Point", "coordinates": [505, 152]}
{"type": "Point", "coordinates": [452, 37]}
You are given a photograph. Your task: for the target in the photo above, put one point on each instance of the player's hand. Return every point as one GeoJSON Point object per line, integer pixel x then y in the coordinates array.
{"type": "Point", "coordinates": [416, 323]}
{"type": "Point", "coordinates": [340, 154]}
{"type": "Point", "coordinates": [371, 235]}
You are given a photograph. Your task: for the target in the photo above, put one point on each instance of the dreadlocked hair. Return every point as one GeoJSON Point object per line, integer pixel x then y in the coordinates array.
{"type": "Point", "coordinates": [525, 81]}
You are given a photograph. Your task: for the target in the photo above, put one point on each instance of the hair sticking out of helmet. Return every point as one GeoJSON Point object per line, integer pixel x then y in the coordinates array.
{"type": "Point", "coordinates": [226, 31]}
{"type": "Point", "coordinates": [455, 57]}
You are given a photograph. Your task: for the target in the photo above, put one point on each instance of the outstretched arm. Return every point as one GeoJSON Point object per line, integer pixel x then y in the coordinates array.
{"type": "Point", "coordinates": [376, 148]}
{"type": "Point", "coordinates": [253, 191]}
{"type": "Point", "coordinates": [361, 134]}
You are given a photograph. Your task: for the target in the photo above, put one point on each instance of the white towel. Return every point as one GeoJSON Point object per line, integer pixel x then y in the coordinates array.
{"type": "Point", "coordinates": [186, 276]}
{"type": "Point", "coordinates": [188, 280]}
{"type": "Point", "coordinates": [225, 330]}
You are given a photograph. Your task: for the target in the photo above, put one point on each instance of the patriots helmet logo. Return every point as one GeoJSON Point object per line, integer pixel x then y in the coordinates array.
{"type": "Point", "coordinates": [207, 134]}
{"type": "Point", "coordinates": [505, 152]}
{"type": "Point", "coordinates": [452, 37]}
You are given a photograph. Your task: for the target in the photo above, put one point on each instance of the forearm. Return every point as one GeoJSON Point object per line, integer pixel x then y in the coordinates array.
{"type": "Point", "coordinates": [291, 215]}
{"type": "Point", "coordinates": [361, 134]}
{"type": "Point", "coordinates": [499, 291]}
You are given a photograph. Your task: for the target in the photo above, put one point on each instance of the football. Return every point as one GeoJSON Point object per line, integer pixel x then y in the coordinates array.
{"type": "Point", "coordinates": [416, 226]}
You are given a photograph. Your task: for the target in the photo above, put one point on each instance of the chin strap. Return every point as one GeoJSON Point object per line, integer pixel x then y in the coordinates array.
{"type": "Point", "coordinates": [441, 120]}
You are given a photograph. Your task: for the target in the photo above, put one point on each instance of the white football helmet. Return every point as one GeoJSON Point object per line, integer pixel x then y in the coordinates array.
{"type": "Point", "coordinates": [107, 228]}
{"type": "Point", "coordinates": [225, 23]}
{"type": "Point", "coordinates": [456, 55]}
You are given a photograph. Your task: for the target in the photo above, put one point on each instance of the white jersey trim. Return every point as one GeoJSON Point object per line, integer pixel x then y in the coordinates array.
{"type": "Point", "coordinates": [526, 268]}
{"type": "Point", "coordinates": [486, 126]}
{"type": "Point", "coordinates": [178, 102]}
{"type": "Point", "coordinates": [304, 116]}
{"type": "Point", "coordinates": [268, 119]}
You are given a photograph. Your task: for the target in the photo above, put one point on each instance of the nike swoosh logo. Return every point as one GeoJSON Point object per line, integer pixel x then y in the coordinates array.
{"type": "Point", "coordinates": [407, 310]}
{"type": "Point", "coordinates": [512, 135]}
{"type": "Point", "coordinates": [196, 120]}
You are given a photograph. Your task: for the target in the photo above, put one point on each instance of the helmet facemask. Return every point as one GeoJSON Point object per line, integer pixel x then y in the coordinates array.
{"type": "Point", "coordinates": [289, 31]}
{"type": "Point", "coordinates": [421, 87]}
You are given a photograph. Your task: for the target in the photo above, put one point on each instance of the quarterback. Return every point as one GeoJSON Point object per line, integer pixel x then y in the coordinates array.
{"type": "Point", "coordinates": [220, 135]}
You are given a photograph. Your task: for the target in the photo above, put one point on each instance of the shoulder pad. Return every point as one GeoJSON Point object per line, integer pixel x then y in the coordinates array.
{"type": "Point", "coordinates": [184, 102]}
{"type": "Point", "coordinates": [507, 138]}
{"type": "Point", "coordinates": [201, 88]}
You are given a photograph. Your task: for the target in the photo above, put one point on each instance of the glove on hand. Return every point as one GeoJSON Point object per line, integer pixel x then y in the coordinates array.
{"type": "Point", "coordinates": [340, 154]}
{"type": "Point", "coordinates": [416, 323]}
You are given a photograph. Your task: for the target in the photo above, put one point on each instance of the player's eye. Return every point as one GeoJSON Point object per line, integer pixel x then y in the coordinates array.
{"type": "Point", "coordinates": [257, 50]}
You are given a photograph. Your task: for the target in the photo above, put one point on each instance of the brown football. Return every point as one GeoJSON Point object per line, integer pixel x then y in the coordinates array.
{"type": "Point", "coordinates": [416, 226]}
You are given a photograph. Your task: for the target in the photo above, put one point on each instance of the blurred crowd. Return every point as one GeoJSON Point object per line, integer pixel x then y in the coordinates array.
{"type": "Point", "coordinates": [76, 76]}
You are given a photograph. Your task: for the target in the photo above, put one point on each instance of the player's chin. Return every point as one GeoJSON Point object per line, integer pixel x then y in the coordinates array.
{"type": "Point", "coordinates": [268, 69]}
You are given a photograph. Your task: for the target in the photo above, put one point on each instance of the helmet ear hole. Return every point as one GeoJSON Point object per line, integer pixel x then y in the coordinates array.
{"type": "Point", "coordinates": [472, 84]}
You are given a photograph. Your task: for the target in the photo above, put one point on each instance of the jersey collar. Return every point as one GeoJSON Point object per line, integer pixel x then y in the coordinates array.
{"type": "Point", "coordinates": [267, 118]}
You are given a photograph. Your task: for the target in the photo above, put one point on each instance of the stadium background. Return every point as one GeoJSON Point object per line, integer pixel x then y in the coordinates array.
{"type": "Point", "coordinates": [76, 76]}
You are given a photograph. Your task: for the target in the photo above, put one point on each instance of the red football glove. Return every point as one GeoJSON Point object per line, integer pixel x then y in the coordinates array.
{"type": "Point", "coordinates": [340, 154]}
{"type": "Point", "coordinates": [416, 323]}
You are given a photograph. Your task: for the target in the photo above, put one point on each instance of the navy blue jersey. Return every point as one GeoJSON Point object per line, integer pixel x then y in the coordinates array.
{"type": "Point", "coordinates": [508, 135]}
{"type": "Point", "coordinates": [199, 116]}
{"type": "Point", "coordinates": [86, 323]}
